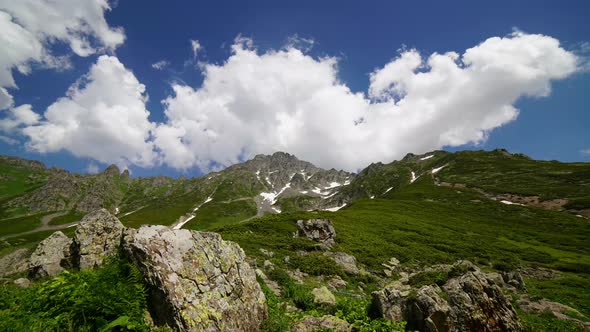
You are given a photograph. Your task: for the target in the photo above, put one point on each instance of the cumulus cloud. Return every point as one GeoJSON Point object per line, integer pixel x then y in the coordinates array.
{"type": "Point", "coordinates": [103, 117]}
{"type": "Point", "coordinates": [585, 152]}
{"type": "Point", "coordinates": [288, 100]}
{"type": "Point", "coordinates": [262, 102]}
{"type": "Point", "coordinates": [160, 65]}
{"type": "Point", "coordinates": [29, 27]}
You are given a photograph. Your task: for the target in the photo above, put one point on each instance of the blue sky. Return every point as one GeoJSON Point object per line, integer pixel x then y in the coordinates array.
{"type": "Point", "coordinates": [363, 37]}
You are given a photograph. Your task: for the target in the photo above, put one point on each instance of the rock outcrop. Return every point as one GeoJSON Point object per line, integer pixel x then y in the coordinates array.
{"type": "Point", "coordinates": [470, 301]}
{"type": "Point", "coordinates": [197, 281]}
{"type": "Point", "coordinates": [97, 236]}
{"type": "Point", "coordinates": [52, 256]}
{"type": "Point", "coordinates": [318, 230]}
{"type": "Point", "coordinates": [345, 261]}
{"type": "Point", "coordinates": [327, 322]}
{"type": "Point", "coordinates": [14, 262]}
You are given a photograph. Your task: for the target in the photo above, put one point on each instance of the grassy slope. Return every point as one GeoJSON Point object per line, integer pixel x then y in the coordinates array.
{"type": "Point", "coordinates": [498, 172]}
{"type": "Point", "coordinates": [423, 224]}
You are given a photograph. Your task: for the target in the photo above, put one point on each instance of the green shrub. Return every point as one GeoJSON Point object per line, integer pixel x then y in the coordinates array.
{"type": "Point", "coordinates": [316, 265]}
{"type": "Point", "coordinates": [357, 312]}
{"type": "Point", "coordinates": [428, 278]}
{"type": "Point", "coordinates": [111, 297]}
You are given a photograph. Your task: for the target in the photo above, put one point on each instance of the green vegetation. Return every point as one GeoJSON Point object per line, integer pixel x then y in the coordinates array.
{"type": "Point", "coordinates": [501, 172]}
{"type": "Point", "coordinates": [69, 217]}
{"type": "Point", "coordinates": [215, 214]}
{"type": "Point", "coordinates": [109, 298]}
{"type": "Point", "coordinates": [20, 224]}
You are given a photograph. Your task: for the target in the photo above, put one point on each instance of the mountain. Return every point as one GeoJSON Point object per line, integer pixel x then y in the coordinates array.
{"type": "Point", "coordinates": [404, 228]}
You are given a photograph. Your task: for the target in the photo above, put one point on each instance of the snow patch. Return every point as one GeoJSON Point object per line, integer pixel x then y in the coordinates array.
{"type": "Point", "coordinates": [427, 157]}
{"type": "Point", "coordinates": [510, 203]}
{"type": "Point", "coordinates": [116, 210]}
{"type": "Point", "coordinates": [346, 183]}
{"type": "Point", "coordinates": [72, 225]}
{"type": "Point", "coordinates": [414, 177]}
{"type": "Point", "coordinates": [333, 185]}
{"type": "Point", "coordinates": [372, 197]}
{"type": "Point", "coordinates": [434, 171]}
{"type": "Point", "coordinates": [304, 192]}
{"type": "Point", "coordinates": [334, 209]}
{"type": "Point", "coordinates": [182, 223]}
{"type": "Point", "coordinates": [386, 191]}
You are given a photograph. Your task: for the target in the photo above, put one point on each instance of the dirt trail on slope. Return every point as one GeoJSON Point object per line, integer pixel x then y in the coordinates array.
{"type": "Point", "coordinates": [44, 225]}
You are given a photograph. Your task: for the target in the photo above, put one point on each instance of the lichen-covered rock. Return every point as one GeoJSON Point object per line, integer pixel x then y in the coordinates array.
{"type": "Point", "coordinates": [471, 301]}
{"type": "Point", "coordinates": [197, 281]}
{"type": "Point", "coordinates": [327, 322]}
{"type": "Point", "coordinates": [323, 296]}
{"type": "Point", "coordinates": [52, 256]}
{"type": "Point", "coordinates": [14, 262]}
{"type": "Point", "coordinates": [97, 236]}
{"type": "Point", "coordinates": [319, 230]}
{"type": "Point", "coordinates": [345, 261]}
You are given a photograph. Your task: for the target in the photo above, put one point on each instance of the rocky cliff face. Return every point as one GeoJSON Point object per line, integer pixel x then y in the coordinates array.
{"type": "Point", "coordinates": [469, 301]}
{"type": "Point", "coordinates": [196, 281]}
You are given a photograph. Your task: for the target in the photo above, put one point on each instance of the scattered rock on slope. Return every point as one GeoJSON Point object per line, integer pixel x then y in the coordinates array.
{"type": "Point", "coordinates": [467, 302]}
{"type": "Point", "coordinates": [97, 236]}
{"type": "Point", "coordinates": [327, 322]}
{"type": "Point", "coordinates": [319, 230]}
{"type": "Point", "coordinates": [52, 256]}
{"type": "Point", "coordinates": [197, 281]}
{"type": "Point", "coordinates": [345, 261]}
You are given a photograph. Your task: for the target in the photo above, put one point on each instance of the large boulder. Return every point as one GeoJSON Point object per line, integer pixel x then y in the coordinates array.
{"type": "Point", "coordinates": [468, 301]}
{"type": "Point", "coordinates": [327, 322]}
{"type": "Point", "coordinates": [318, 230]}
{"type": "Point", "coordinates": [52, 256]}
{"type": "Point", "coordinates": [197, 281]}
{"type": "Point", "coordinates": [14, 262]}
{"type": "Point", "coordinates": [97, 236]}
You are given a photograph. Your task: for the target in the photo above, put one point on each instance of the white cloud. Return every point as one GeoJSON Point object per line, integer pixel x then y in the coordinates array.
{"type": "Point", "coordinates": [8, 140]}
{"type": "Point", "coordinates": [195, 47]}
{"type": "Point", "coordinates": [585, 152]}
{"type": "Point", "coordinates": [29, 27]}
{"type": "Point", "coordinates": [103, 117]}
{"type": "Point", "coordinates": [287, 100]}
{"type": "Point", "coordinates": [160, 65]}
{"type": "Point", "coordinates": [18, 116]}
{"type": "Point", "coordinates": [92, 168]}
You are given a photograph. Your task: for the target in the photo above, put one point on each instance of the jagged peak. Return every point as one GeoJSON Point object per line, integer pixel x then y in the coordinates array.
{"type": "Point", "coordinates": [112, 170]}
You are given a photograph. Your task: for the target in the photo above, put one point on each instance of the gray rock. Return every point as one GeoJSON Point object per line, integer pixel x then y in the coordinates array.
{"type": "Point", "coordinates": [14, 262]}
{"type": "Point", "coordinates": [319, 230]}
{"type": "Point", "coordinates": [323, 296]}
{"type": "Point", "coordinates": [327, 322]}
{"type": "Point", "coordinates": [514, 279]}
{"type": "Point", "coordinates": [468, 302]}
{"type": "Point", "coordinates": [197, 281]}
{"type": "Point", "coordinates": [52, 256]}
{"type": "Point", "coordinates": [345, 261]}
{"type": "Point", "coordinates": [271, 284]}
{"type": "Point", "coordinates": [97, 236]}
{"type": "Point", "coordinates": [337, 283]}
{"type": "Point", "coordinates": [22, 282]}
